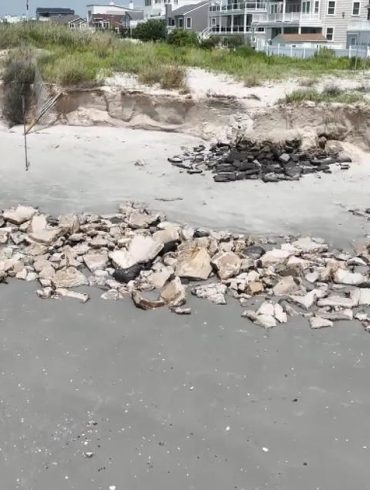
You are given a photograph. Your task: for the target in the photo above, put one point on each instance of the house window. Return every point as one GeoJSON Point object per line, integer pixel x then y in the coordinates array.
{"type": "Point", "coordinates": [330, 33]}
{"type": "Point", "coordinates": [188, 22]}
{"type": "Point", "coordinates": [148, 3]}
{"type": "Point", "coordinates": [306, 7]}
{"type": "Point", "coordinates": [213, 21]}
{"type": "Point", "coordinates": [356, 8]}
{"type": "Point", "coordinates": [331, 8]}
{"type": "Point", "coordinates": [180, 23]}
{"type": "Point", "coordinates": [317, 7]}
{"type": "Point", "coordinates": [260, 29]}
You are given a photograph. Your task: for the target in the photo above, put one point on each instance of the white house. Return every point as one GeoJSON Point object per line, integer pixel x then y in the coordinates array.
{"type": "Point", "coordinates": [157, 8]}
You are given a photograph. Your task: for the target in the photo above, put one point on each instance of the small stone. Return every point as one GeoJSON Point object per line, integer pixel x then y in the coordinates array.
{"type": "Point", "coordinates": [41, 232]}
{"type": "Point", "coordinates": [45, 293]}
{"type": "Point", "coordinates": [141, 249]}
{"type": "Point", "coordinates": [66, 293]}
{"type": "Point", "coordinates": [275, 256]}
{"type": "Point", "coordinates": [70, 223]}
{"type": "Point", "coordinates": [318, 322]}
{"type": "Point", "coordinates": [364, 297]}
{"type": "Point", "coordinates": [88, 454]}
{"type": "Point", "coordinates": [22, 274]}
{"type": "Point", "coordinates": [308, 245]}
{"type": "Point", "coordinates": [146, 303]}
{"type": "Point", "coordinates": [139, 219]}
{"type": "Point", "coordinates": [338, 301]}
{"type": "Point", "coordinates": [31, 276]}
{"type": "Point", "coordinates": [111, 295]}
{"type": "Point", "coordinates": [312, 277]}
{"type": "Point", "coordinates": [181, 311]}
{"type": "Point", "coordinates": [254, 288]}
{"type": "Point", "coordinates": [280, 314]}
{"type": "Point", "coordinates": [254, 251]}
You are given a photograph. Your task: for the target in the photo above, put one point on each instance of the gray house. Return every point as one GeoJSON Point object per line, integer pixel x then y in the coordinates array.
{"type": "Point", "coordinates": [193, 17]}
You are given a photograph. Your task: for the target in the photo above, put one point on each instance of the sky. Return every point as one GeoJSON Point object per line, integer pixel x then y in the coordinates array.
{"type": "Point", "coordinates": [18, 7]}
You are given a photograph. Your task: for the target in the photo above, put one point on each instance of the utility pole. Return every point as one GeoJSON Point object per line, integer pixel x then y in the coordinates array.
{"type": "Point", "coordinates": [27, 11]}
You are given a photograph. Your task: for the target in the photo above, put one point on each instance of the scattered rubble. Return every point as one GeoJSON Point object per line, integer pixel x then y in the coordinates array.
{"type": "Point", "coordinates": [251, 160]}
{"type": "Point", "coordinates": [139, 255]}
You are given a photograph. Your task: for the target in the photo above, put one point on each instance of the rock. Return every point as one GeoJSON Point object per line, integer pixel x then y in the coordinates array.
{"type": "Point", "coordinates": [275, 256]}
{"type": "Point", "coordinates": [70, 223]}
{"type": "Point", "coordinates": [342, 276]}
{"type": "Point", "coordinates": [280, 314]}
{"type": "Point", "coordinates": [95, 261]}
{"type": "Point", "coordinates": [159, 278]}
{"type": "Point", "coordinates": [99, 242]}
{"type": "Point", "coordinates": [45, 293]}
{"type": "Point", "coordinates": [284, 158]}
{"type": "Point", "coordinates": [146, 303]}
{"type": "Point", "coordinates": [318, 322]}
{"type": "Point", "coordinates": [346, 314]}
{"type": "Point", "coordinates": [312, 277]}
{"type": "Point", "coordinates": [181, 311]}
{"type": "Point", "coordinates": [69, 278]}
{"type": "Point", "coordinates": [4, 236]}
{"type": "Point", "coordinates": [65, 293]}
{"type": "Point", "coordinates": [254, 288]}
{"type": "Point", "coordinates": [308, 245]}
{"type": "Point", "coordinates": [214, 292]}
{"type": "Point", "coordinates": [263, 320]}
{"type": "Point", "coordinates": [194, 263]}
{"type": "Point", "coordinates": [286, 285]}
{"type": "Point", "coordinates": [22, 274]}
{"type": "Point", "coordinates": [308, 299]}
{"type": "Point", "coordinates": [19, 215]}
{"type": "Point", "coordinates": [41, 232]}
{"type": "Point", "coordinates": [338, 301]}
{"type": "Point", "coordinates": [139, 219]}
{"type": "Point", "coordinates": [266, 308]}
{"type": "Point", "coordinates": [174, 293]}
{"type": "Point", "coordinates": [129, 274]}
{"type": "Point", "coordinates": [364, 297]}
{"type": "Point", "coordinates": [167, 235]}
{"type": "Point", "coordinates": [48, 273]}
{"type": "Point", "coordinates": [254, 251]}
{"type": "Point", "coordinates": [227, 264]}
{"type": "Point", "coordinates": [142, 249]}
{"type": "Point", "coordinates": [31, 276]}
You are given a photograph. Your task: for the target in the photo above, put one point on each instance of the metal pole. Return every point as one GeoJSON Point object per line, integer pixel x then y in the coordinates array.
{"type": "Point", "coordinates": [27, 163]}
{"type": "Point", "coordinates": [27, 11]}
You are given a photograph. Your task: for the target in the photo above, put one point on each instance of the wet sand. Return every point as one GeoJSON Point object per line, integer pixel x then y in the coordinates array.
{"type": "Point", "coordinates": [208, 401]}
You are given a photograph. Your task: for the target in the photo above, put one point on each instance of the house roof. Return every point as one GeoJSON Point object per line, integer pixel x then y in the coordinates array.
{"type": "Point", "coordinates": [64, 19]}
{"type": "Point", "coordinates": [314, 37]}
{"type": "Point", "coordinates": [186, 9]}
{"type": "Point", "coordinates": [54, 11]}
{"type": "Point", "coordinates": [136, 14]}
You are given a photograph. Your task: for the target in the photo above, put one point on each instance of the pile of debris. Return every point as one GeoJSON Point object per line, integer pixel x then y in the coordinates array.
{"type": "Point", "coordinates": [138, 254]}
{"type": "Point", "coordinates": [267, 161]}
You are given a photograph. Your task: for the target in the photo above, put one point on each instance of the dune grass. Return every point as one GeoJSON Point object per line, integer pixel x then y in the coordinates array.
{"type": "Point", "coordinates": [329, 94]}
{"type": "Point", "coordinates": [81, 58]}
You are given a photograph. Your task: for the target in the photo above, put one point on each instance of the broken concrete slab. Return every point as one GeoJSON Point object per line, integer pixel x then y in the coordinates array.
{"type": "Point", "coordinates": [19, 215]}
{"type": "Point", "coordinates": [96, 261]}
{"type": "Point", "coordinates": [174, 293]}
{"type": "Point", "coordinates": [194, 263]}
{"type": "Point", "coordinates": [342, 276]}
{"type": "Point", "coordinates": [146, 303]}
{"type": "Point", "coordinates": [214, 292]}
{"type": "Point", "coordinates": [41, 232]}
{"type": "Point", "coordinates": [286, 285]}
{"type": "Point", "coordinates": [309, 245]}
{"type": "Point", "coordinates": [275, 256]}
{"type": "Point", "coordinates": [319, 322]}
{"type": "Point", "coordinates": [227, 264]}
{"type": "Point", "coordinates": [69, 278]}
{"type": "Point", "coordinates": [67, 293]}
{"type": "Point", "coordinates": [141, 249]}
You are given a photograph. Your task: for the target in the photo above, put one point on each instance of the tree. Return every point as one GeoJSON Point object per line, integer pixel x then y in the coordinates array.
{"type": "Point", "coordinates": [151, 30]}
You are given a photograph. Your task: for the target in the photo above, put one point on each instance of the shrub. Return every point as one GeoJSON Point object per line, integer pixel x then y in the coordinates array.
{"type": "Point", "coordinates": [179, 37]}
{"type": "Point", "coordinates": [233, 42]}
{"type": "Point", "coordinates": [18, 77]}
{"type": "Point", "coordinates": [168, 77]}
{"type": "Point", "coordinates": [151, 30]}
{"type": "Point", "coordinates": [252, 80]}
{"type": "Point", "coordinates": [209, 43]}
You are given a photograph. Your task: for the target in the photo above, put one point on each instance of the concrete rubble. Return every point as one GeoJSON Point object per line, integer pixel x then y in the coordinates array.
{"type": "Point", "coordinates": [137, 254]}
{"type": "Point", "coordinates": [263, 160]}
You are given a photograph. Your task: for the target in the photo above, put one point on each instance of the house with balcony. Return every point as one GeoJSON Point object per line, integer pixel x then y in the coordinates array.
{"type": "Point", "coordinates": [341, 22]}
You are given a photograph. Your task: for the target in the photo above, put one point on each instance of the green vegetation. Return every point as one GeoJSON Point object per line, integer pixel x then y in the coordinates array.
{"type": "Point", "coordinates": [18, 76]}
{"type": "Point", "coordinates": [331, 93]}
{"type": "Point", "coordinates": [179, 37]}
{"type": "Point", "coordinates": [81, 58]}
{"type": "Point", "coordinates": [152, 30]}
{"type": "Point", "coordinates": [168, 77]}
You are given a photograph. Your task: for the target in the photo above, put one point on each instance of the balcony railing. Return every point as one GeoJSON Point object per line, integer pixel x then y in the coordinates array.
{"type": "Point", "coordinates": [219, 6]}
{"type": "Point", "coordinates": [229, 30]}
